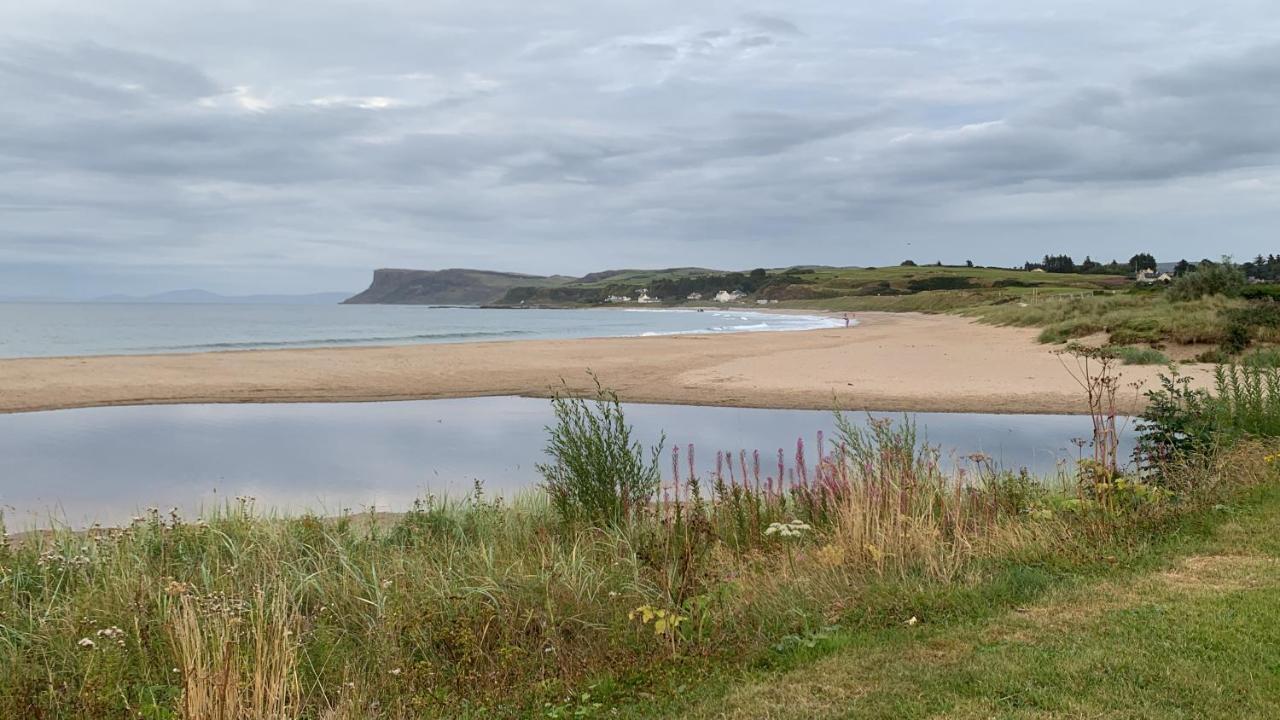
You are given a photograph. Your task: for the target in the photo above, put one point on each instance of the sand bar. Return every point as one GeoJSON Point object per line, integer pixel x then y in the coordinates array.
{"type": "Point", "coordinates": [892, 361]}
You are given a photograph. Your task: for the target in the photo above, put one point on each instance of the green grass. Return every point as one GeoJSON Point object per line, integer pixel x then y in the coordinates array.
{"type": "Point", "coordinates": [1262, 357]}
{"type": "Point", "coordinates": [1190, 631]}
{"type": "Point", "coordinates": [1126, 318]}
{"type": "Point", "coordinates": [1140, 356]}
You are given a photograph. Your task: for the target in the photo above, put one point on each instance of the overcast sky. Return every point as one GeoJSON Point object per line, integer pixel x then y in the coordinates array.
{"type": "Point", "coordinates": [293, 146]}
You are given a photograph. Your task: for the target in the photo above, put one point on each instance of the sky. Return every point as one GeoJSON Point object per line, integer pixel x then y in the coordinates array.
{"type": "Point", "coordinates": [292, 146]}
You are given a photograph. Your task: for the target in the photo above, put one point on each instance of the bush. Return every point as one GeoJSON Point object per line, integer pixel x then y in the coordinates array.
{"type": "Point", "coordinates": [1236, 337]}
{"type": "Point", "coordinates": [1182, 423]}
{"type": "Point", "coordinates": [940, 282]}
{"type": "Point", "coordinates": [1176, 425]}
{"type": "Point", "coordinates": [599, 474]}
{"type": "Point", "coordinates": [1261, 292]}
{"type": "Point", "coordinates": [1223, 278]}
{"type": "Point", "coordinates": [1140, 356]}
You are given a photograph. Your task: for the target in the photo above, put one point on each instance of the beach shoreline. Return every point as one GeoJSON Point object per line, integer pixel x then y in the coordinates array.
{"type": "Point", "coordinates": [903, 362]}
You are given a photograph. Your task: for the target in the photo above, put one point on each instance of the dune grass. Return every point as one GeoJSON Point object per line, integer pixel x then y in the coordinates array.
{"type": "Point", "coordinates": [1126, 318]}
{"type": "Point", "coordinates": [1130, 355]}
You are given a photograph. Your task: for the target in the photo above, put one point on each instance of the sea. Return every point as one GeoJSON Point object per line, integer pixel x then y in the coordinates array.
{"type": "Point", "coordinates": [71, 329]}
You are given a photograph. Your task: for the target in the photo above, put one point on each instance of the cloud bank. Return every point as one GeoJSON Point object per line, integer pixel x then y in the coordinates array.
{"type": "Point", "coordinates": [294, 147]}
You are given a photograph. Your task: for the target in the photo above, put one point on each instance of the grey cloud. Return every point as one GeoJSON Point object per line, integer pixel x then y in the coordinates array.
{"type": "Point", "coordinates": [185, 145]}
{"type": "Point", "coordinates": [772, 24]}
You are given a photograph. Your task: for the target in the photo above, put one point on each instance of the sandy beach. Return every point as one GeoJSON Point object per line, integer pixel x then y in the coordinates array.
{"type": "Point", "coordinates": [891, 361]}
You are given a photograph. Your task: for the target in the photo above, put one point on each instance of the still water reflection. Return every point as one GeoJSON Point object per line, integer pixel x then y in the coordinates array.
{"type": "Point", "coordinates": [103, 464]}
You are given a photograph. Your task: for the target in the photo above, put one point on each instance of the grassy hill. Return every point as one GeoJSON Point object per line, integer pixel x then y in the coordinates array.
{"type": "Point", "coordinates": [805, 286]}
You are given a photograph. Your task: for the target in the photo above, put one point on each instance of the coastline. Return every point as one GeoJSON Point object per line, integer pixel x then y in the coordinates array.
{"type": "Point", "coordinates": [902, 362]}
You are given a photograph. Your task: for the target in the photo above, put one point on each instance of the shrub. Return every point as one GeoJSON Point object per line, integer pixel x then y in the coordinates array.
{"type": "Point", "coordinates": [1261, 292]}
{"type": "Point", "coordinates": [1177, 424]}
{"type": "Point", "coordinates": [1182, 423]}
{"type": "Point", "coordinates": [1236, 337]}
{"type": "Point", "coordinates": [1225, 278]}
{"type": "Point", "coordinates": [599, 473]}
{"type": "Point", "coordinates": [1140, 356]}
{"type": "Point", "coordinates": [940, 282]}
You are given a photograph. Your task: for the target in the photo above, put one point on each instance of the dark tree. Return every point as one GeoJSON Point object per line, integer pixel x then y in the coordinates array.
{"type": "Point", "coordinates": [908, 263]}
{"type": "Point", "coordinates": [1182, 268]}
{"type": "Point", "coordinates": [1059, 264]}
{"type": "Point", "coordinates": [1142, 261]}
{"type": "Point", "coordinates": [968, 263]}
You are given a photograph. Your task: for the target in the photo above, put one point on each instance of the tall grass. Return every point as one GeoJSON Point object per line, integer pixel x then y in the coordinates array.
{"type": "Point", "coordinates": [1247, 399]}
{"type": "Point", "coordinates": [479, 607]}
{"type": "Point", "coordinates": [1126, 319]}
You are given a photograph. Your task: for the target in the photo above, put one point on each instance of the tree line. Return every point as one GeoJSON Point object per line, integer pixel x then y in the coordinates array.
{"type": "Point", "coordinates": [1067, 264]}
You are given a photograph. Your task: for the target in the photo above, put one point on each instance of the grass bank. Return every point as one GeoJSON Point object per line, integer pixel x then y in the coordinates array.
{"type": "Point", "coordinates": [1191, 631]}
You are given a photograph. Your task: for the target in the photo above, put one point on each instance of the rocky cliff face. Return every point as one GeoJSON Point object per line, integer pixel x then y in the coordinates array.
{"type": "Point", "coordinates": [442, 287]}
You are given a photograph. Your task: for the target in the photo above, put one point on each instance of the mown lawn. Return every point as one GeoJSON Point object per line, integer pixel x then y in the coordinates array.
{"type": "Point", "coordinates": [1193, 633]}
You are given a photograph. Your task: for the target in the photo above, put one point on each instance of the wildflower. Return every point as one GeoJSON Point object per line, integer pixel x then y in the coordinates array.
{"type": "Point", "coordinates": [86, 643]}
{"type": "Point", "coordinates": [793, 529]}
{"type": "Point", "coordinates": [913, 621]}
{"type": "Point", "coordinates": [395, 671]}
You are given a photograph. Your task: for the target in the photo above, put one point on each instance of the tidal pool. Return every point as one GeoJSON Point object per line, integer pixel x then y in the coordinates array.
{"type": "Point", "coordinates": [104, 464]}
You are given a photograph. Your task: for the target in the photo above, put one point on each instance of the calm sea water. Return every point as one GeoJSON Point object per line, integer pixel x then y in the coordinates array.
{"type": "Point", "coordinates": [103, 464]}
{"type": "Point", "coordinates": [54, 329]}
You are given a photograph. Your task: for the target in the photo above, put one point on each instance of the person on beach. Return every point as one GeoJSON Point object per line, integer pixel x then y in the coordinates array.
{"type": "Point", "coordinates": [846, 320]}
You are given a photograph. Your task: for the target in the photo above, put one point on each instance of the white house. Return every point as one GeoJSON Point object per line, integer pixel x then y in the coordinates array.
{"type": "Point", "coordinates": [1149, 277]}
{"type": "Point", "coordinates": [762, 301]}
{"type": "Point", "coordinates": [725, 296]}
{"type": "Point", "coordinates": [693, 296]}
{"type": "Point", "coordinates": [617, 299]}
{"type": "Point", "coordinates": [644, 298]}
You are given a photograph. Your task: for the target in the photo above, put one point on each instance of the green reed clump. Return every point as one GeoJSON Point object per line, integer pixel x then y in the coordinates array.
{"type": "Point", "coordinates": [1130, 355]}
{"type": "Point", "coordinates": [1247, 399]}
{"type": "Point", "coordinates": [598, 473]}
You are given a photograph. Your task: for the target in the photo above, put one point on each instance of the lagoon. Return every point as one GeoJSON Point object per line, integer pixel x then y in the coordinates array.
{"type": "Point", "coordinates": [105, 464]}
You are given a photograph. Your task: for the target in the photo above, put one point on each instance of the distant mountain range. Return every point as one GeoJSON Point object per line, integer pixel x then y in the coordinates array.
{"type": "Point", "coordinates": [195, 296]}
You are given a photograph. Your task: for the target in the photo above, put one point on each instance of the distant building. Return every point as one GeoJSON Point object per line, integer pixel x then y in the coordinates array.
{"type": "Point", "coordinates": [725, 296]}
{"type": "Point", "coordinates": [644, 298]}
{"type": "Point", "coordinates": [1149, 277]}
{"type": "Point", "coordinates": [693, 296]}
{"type": "Point", "coordinates": [762, 301]}
{"type": "Point", "coordinates": [617, 299]}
